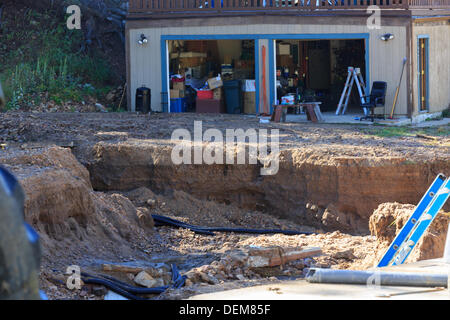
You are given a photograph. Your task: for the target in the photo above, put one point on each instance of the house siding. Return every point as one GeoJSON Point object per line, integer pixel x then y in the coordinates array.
{"type": "Point", "coordinates": [438, 34]}
{"type": "Point", "coordinates": [385, 58]}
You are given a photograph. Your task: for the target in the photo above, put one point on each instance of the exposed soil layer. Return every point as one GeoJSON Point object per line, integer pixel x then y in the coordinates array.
{"type": "Point", "coordinates": [342, 192]}
{"type": "Point", "coordinates": [389, 218]}
{"type": "Point", "coordinates": [93, 180]}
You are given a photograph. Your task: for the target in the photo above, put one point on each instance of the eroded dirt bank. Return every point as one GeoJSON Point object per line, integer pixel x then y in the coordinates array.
{"type": "Point", "coordinates": [92, 182]}
{"type": "Point", "coordinates": [310, 188]}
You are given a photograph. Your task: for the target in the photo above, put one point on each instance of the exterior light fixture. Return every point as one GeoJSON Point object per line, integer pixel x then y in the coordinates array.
{"type": "Point", "coordinates": [387, 37]}
{"type": "Point", "coordinates": [143, 40]}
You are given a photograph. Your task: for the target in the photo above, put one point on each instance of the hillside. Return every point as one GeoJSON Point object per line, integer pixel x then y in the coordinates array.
{"type": "Point", "coordinates": [47, 67]}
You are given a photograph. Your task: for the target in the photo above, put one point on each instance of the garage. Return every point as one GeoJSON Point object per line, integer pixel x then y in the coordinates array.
{"type": "Point", "coordinates": [317, 70]}
{"type": "Point", "coordinates": [211, 76]}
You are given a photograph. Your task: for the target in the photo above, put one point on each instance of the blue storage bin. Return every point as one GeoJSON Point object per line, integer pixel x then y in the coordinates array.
{"type": "Point", "coordinates": [178, 105]}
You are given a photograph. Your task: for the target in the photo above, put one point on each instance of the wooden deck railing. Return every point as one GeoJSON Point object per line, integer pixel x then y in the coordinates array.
{"type": "Point", "coordinates": [178, 6]}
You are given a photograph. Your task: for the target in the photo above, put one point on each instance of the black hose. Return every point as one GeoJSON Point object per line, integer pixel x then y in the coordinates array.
{"type": "Point", "coordinates": [130, 292]}
{"type": "Point", "coordinates": [112, 286]}
{"type": "Point", "coordinates": [124, 286]}
{"type": "Point", "coordinates": [166, 221]}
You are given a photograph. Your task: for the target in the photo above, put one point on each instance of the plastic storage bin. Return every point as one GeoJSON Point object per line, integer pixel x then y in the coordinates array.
{"type": "Point", "coordinates": [233, 96]}
{"type": "Point", "coordinates": [205, 94]}
{"type": "Point", "coordinates": [178, 105]}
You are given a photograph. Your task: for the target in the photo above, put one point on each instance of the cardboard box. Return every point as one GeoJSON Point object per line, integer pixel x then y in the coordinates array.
{"type": "Point", "coordinates": [284, 49]}
{"type": "Point", "coordinates": [248, 85]}
{"type": "Point", "coordinates": [227, 59]}
{"type": "Point", "coordinates": [178, 86]}
{"type": "Point", "coordinates": [215, 83]}
{"type": "Point", "coordinates": [285, 61]}
{"type": "Point", "coordinates": [191, 62]}
{"type": "Point", "coordinates": [188, 55]}
{"type": "Point", "coordinates": [210, 106]}
{"type": "Point", "coordinates": [175, 94]}
{"type": "Point", "coordinates": [218, 93]}
{"type": "Point", "coordinates": [250, 102]}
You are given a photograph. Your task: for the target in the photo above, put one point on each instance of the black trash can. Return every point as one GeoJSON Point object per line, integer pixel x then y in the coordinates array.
{"type": "Point", "coordinates": [143, 100]}
{"type": "Point", "coordinates": [233, 96]}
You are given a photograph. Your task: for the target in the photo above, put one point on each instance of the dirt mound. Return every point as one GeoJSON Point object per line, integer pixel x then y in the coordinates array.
{"type": "Point", "coordinates": [68, 214]}
{"type": "Point", "coordinates": [389, 218]}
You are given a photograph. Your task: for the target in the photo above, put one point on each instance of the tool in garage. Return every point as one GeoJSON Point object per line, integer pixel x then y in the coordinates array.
{"type": "Point", "coordinates": [398, 89]}
{"type": "Point", "coordinates": [266, 110]}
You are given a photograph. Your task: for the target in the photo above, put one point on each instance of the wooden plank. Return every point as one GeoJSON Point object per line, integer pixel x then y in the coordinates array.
{"type": "Point", "coordinates": [277, 113]}
{"type": "Point", "coordinates": [121, 268]}
{"type": "Point", "coordinates": [311, 114]}
{"type": "Point", "coordinates": [262, 257]}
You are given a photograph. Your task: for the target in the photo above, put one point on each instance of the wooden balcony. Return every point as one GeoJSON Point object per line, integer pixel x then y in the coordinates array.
{"type": "Point", "coordinates": [160, 8]}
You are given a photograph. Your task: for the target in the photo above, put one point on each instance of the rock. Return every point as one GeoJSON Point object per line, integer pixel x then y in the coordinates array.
{"type": "Point", "coordinates": [140, 196]}
{"type": "Point", "coordinates": [346, 254]}
{"type": "Point", "coordinates": [99, 291]}
{"type": "Point", "coordinates": [193, 276]}
{"type": "Point", "coordinates": [335, 220]}
{"type": "Point", "coordinates": [145, 280]}
{"type": "Point", "coordinates": [163, 273]}
{"type": "Point", "coordinates": [241, 277]}
{"type": "Point", "coordinates": [208, 278]}
{"type": "Point", "coordinates": [111, 96]}
{"type": "Point", "coordinates": [83, 292]}
{"type": "Point", "coordinates": [151, 203]}
{"type": "Point", "coordinates": [145, 218]}
{"type": "Point", "coordinates": [100, 108]}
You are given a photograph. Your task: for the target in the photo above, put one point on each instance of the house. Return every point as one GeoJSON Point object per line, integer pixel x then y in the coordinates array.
{"type": "Point", "coordinates": [280, 45]}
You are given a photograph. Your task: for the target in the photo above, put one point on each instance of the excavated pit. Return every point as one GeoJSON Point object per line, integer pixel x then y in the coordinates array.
{"type": "Point", "coordinates": [313, 189]}
{"type": "Point", "coordinates": [91, 200]}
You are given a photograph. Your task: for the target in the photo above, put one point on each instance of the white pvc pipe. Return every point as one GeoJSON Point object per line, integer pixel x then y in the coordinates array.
{"type": "Point", "coordinates": [381, 278]}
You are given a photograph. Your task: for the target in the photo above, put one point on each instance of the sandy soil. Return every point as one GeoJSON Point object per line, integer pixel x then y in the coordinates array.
{"type": "Point", "coordinates": [80, 129]}
{"type": "Point", "coordinates": [30, 133]}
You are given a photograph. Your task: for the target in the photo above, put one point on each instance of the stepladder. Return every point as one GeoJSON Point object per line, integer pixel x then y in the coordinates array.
{"type": "Point", "coordinates": [354, 77]}
{"type": "Point", "coordinates": [420, 220]}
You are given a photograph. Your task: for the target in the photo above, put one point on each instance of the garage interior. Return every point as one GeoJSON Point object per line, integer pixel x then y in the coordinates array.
{"type": "Point", "coordinates": [218, 76]}
{"type": "Point", "coordinates": [317, 70]}
{"type": "Point", "coordinates": [212, 76]}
